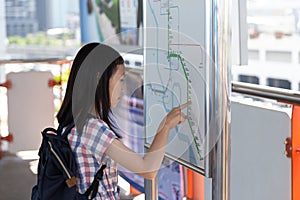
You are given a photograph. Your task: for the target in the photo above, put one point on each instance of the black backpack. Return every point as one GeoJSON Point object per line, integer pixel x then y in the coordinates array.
{"type": "Point", "coordinates": [57, 169]}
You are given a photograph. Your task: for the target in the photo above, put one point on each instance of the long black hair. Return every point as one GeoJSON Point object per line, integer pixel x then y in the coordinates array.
{"type": "Point", "coordinates": [88, 86]}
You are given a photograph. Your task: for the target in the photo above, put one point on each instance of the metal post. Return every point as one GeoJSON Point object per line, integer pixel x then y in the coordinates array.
{"type": "Point", "coordinates": [221, 86]}
{"type": "Point", "coordinates": [151, 189]}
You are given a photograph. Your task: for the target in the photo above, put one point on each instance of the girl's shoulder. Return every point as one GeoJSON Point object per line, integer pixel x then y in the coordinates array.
{"type": "Point", "coordinates": [96, 122]}
{"type": "Point", "coordinates": [96, 126]}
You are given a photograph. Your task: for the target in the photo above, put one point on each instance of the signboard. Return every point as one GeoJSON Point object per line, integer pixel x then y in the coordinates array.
{"type": "Point", "coordinates": [175, 72]}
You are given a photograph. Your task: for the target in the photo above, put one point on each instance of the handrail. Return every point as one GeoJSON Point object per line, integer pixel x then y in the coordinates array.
{"type": "Point", "coordinates": [279, 94]}
{"type": "Point", "coordinates": [53, 60]}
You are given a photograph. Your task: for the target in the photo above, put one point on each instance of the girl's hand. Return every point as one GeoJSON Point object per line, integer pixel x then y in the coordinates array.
{"type": "Point", "coordinates": [174, 117]}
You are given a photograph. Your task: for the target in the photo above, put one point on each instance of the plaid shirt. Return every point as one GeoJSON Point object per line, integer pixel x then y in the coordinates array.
{"type": "Point", "coordinates": [89, 150]}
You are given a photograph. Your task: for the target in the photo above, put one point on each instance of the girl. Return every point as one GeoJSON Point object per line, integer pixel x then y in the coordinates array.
{"type": "Point", "coordinates": [95, 86]}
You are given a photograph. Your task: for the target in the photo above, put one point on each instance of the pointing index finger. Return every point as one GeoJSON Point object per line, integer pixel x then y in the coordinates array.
{"type": "Point", "coordinates": [185, 105]}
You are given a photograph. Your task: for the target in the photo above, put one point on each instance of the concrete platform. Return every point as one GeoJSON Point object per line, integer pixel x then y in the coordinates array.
{"type": "Point", "coordinates": [17, 180]}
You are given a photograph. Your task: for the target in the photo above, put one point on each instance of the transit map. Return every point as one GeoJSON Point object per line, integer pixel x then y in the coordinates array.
{"type": "Point", "coordinates": [174, 58]}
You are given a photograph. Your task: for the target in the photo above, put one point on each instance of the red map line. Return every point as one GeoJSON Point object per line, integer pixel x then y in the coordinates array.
{"type": "Point", "coordinates": [197, 45]}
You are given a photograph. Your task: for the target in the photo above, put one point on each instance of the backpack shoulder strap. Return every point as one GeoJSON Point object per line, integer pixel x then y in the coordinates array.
{"type": "Point", "coordinates": [95, 184]}
{"type": "Point", "coordinates": [49, 129]}
{"type": "Point", "coordinates": [61, 132]}
{"type": "Point", "coordinates": [68, 129]}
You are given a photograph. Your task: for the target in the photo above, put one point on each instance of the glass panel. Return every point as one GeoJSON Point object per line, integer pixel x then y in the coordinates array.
{"type": "Point", "coordinates": [249, 79]}
{"type": "Point", "coordinates": [279, 83]}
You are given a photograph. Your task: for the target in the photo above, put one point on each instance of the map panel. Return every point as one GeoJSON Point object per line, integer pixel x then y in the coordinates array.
{"type": "Point", "coordinates": [175, 73]}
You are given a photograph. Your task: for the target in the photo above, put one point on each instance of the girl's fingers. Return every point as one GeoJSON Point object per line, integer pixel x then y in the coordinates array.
{"type": "Point", "coordinates": [185, 105]}
{"type": "Point", "coordinates": [183, 117]}
{"type": "Point", "coordinates": [176, 116]}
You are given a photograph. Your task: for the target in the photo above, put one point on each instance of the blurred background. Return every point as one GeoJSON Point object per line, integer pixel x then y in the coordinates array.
{"type": "Point", "coordinates": [39, 38]}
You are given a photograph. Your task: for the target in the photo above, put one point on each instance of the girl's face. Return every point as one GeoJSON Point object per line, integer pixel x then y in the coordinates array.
{"type": "Point", "coordinates": [116, 85]}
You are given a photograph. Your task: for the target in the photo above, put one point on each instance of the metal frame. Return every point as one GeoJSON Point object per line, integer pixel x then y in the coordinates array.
{"type": "Point", "coordinates": [220, 84]}
{"type": "Point", "coordinates": [283, 95]}
{"type": "Point", "coordinates": [218, 73]}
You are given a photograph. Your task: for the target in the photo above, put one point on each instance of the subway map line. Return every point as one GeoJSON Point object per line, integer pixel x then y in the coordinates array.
{"type": "Point", "coordinates": [172, 54]}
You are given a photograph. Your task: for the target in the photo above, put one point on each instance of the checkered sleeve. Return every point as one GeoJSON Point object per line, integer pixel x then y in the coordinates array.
{"type": "Point", "coordinates": [98, 137]}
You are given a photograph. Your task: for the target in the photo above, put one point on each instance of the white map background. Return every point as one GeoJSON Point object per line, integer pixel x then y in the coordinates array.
{"type": "Point", "coordinates": [175, 73]}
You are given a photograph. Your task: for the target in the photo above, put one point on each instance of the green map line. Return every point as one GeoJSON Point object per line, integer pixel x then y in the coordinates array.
{"type": "Point", "coordinates": [174, 55]}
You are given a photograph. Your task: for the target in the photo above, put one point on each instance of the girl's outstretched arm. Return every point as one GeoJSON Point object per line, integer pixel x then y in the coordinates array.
{"type": "Point", "coordinates": [148, 165]}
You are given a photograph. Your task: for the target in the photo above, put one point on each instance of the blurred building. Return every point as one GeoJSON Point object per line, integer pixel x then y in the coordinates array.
{"type": "Point", "coordinates": [21, 17]}
{"type": "Point", "coordinates": [2, 29]}
{"type": "Point", "coordinates": [31, 16]}
{"type": "Point", "coordinates": [56, 13]}
{"type": "Point", "coordinates": [42, 13]}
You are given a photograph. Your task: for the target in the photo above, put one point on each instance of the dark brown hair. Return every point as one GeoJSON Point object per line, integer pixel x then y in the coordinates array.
{"type": "Point", "coordinates": [85, 90]}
